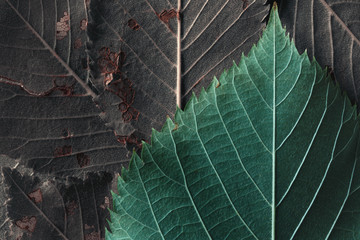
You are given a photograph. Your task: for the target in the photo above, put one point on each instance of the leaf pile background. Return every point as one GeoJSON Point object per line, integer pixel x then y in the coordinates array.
{"type": "Point", "coordinates": [83, 82]}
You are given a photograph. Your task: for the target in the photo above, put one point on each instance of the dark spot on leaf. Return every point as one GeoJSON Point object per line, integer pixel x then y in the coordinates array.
{"type": "Point", "coordinates": [83, 159]}
{"type": "Point", "coordinates": [133, 24]}
{"type": "Point", "coordinates": [27, 223]}
{"type": "Point", "coordinates": [78, 43]}
{"type": "Point", "coordinates": [63, 27]}
{"type": "Point", "coordinates": [36, 196]}
{"type": "Point", "coordinates": [176, 127]}
{"type": "Point", "coordinates": [63, 151]}
{"type": "Point", "coordinates": [71, 207]}
{"type": "Point", "coordinates": [83, 24]}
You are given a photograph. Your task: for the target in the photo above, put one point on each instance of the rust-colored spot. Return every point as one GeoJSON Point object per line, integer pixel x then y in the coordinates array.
{"type": "Point", "coordinates": [87, 227]}
{"type": "Point", "coordinates": [71, 207]}
{"type": "Point", "coordinates": [63, 151]}
{"type": "Point", "coordinates": [176, 127]}
{"type": "Point", "coordinates": [132, 23]}
{"type": "Point", "coordinates": [123, 107]}
{"type": "Point", "coordinates": [83, 159]}
{"type": "Point", "coordinates": [27, 223]}
{"type": "Point", "coordinates": [132, 139]}
{"type": "Point", "coordinates": [66, 133]}
{"type": "Point", "coordinates": [83, 24]}
{"type": "Point", "coordinates": [78, 43]}
{"type": "Point", "coordinates": [166, 15]}
{"type": "Point", "coordinates": [36, 196]}
{"type": "Point", "coordinates": [63, 27]}
{"type": "Point", "coordinates": [92, 236]}
{"type": "Point", "coordinates": [245, 4]}
{"type": "Point", "coordinates": [218, 85]}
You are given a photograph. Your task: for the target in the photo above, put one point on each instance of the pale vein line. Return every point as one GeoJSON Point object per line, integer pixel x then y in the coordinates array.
{"type": "Point", "coordinates": [195, 19]}
{"type": "Point", "coordinates": [55, 23]}
{"type": "Point", "coordinates": [307, 151]}
{"type": "Point", "coordinates": [148, 199]}
{"type": "Point", "coordinates": [157, 166]}
{"type": "Point", "coordinates": [36, 207]}
{"type": "Point", "coordinates": [95, 207]}
{"type": "Point", "coordinates": [178, 57]}
{"type": "Point", "coordinates": [261, 68]}
{"type": "Point", "coordinates": [352, 70]}
{"type": "Point", "coordinates": [301, 114]}
{"type": "Point", "coordinates": [233, 145]}
{"type": "Point", "coordinates": [58, 58]}
{"type": "Point", "coordinates": [326, 172]}
{"type": "Point", "coordinates": [257, 89]}
{"type": "Point", "coordinates": [293, 86]}
{"type": "Point", "coordinates": [186, 185]}
{"type": "Point", "coordinates": [149, 37]}
{"type": "Point", "coordinates": [218, 177]}
{"type": "Point", "coordinates": [287, 65]}
{"type": "Point", "coordinates": [342, 2]}
{"type": "Point", "coordinates": [331, 42]}
{"type": "Point", "coordinates": [219, 62]}
{"type": "Point", "coordinates": [273, 210]}
{"type": "Point", "coordinates": [80, 209]}
{"type": "Point", "coordinates": [346, 198]}
{"type": "Point", "coordinates": [161, 22]}
{"type": "Point", "coordinates": [216, 40]}
{"type": "Point", "coordinates": [250, 121]}
{"type": "Point", "coordinates": [136, 55]}
{"type": "Point", "coordinates": [186, 5]}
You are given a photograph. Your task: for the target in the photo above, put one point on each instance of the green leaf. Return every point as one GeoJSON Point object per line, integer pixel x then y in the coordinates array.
{"type": "Point", "coordinates": [268, 150]}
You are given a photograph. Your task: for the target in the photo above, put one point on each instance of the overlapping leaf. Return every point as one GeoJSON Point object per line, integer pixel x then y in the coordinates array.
{"type": "Point", "coordinates": [329, 30]}
{"type": "Point", "coordinates": [144, 51]}
{"type": "Point", "coordinates": [48, 117]}
{"type": "Point", "coordinates": [268, 151]}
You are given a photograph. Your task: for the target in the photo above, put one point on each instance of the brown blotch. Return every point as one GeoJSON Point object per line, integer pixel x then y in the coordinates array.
{"type": "Point", "coordinates": [63, 151]}
{"type": "Point", "coordinates": [176, 127]}
{"type": "Point", "coordinates": [132, 23]}
{"type": "Point", "coordinates": [71, 207]}
{"type": "Point", "coordinates": [218, 85]}
{"type": "Point", "coordinates": [166, 15]}
{"type": "Point", "coordinates": [36, 196]}
{"type": "Point", "coordinates": [63, 27]}
{"type": "Point", "coordinates": [83, 24]}
{"type": "Point", "coordinates": [88, 226]}
{"type": "Point", "coordinates": [132, 139]}
{"type": "Point", "coordinates": [83, 159]}
{"type": "Point", "coordinates": [27, 223]}
{"type": "Point", "coordinates": [78, 43]}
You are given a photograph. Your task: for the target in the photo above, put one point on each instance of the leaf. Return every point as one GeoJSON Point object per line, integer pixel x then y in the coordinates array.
{"type": "Point", "coordinates": [148, 57]}
{"type": "Point", "coordinates": [50, 208]}
{"type": "Point", "coordinates": [329, 30]}
{"type": "Point", "coordinates": [49, 103]}
{"type": "Point", "coordinates": [60, 135]}
{"type": "Point", "coordinates": [269, 149]}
